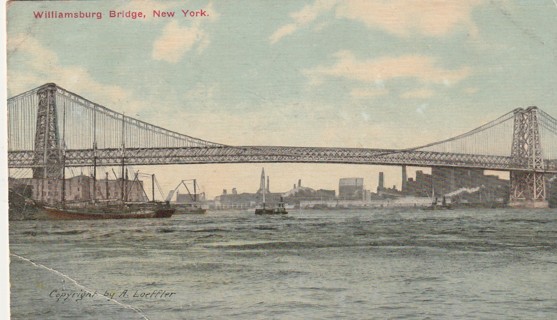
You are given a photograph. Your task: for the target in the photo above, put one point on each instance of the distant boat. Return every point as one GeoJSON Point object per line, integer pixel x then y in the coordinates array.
{"type": "Point", "coordinates": [438, 207]}
{"type": "Point", "coordinates": [279, 209]}
{"type": "Point", "coordinates": [189, 208]}
{"type": "Point", "coordinates": [193, 207]}
{"type": "Point", "coordinates": [435, 206]}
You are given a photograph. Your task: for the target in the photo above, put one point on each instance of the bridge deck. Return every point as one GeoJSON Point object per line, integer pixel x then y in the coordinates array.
{"type": "Point", "coordinates": [276, 154]}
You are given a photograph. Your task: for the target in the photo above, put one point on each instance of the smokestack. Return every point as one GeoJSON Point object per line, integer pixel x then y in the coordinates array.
{"type": "Point", "coordinates": [404, 179]}
{"type": "Point", "coordinates": [299, 183]}
{"type": "Point", "coordinates": [268, 186]}
{"type": "Point", "coordinates": [381, 185]}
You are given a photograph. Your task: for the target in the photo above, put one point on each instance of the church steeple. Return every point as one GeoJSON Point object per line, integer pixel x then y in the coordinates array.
{"type": "Point", "coordinates": [262, 181]}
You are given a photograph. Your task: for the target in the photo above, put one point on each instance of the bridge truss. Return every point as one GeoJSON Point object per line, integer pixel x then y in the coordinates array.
{"type": "Point", "coordinates": [50, 128]}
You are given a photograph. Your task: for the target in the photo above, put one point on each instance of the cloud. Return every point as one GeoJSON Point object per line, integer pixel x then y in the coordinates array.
{"type": "Point", "coordinates": [302, 18]}
{"type": "Point", "coordinates": [399, 17]}
{"type": "Point", "coordinates": [310, 123]}
{"type": "Point", "coordinates": [176, 40]}
{"type": "Point", "coordinates": [37, 65]}
{"type": "Point", "coordinates": [282, 32]}
{"type": "Point", "coordinates": [418, 94]}
{"type": "Point", "coordinates": [421, 68]}
{"type": "Point", "coordinates": [406, 17]}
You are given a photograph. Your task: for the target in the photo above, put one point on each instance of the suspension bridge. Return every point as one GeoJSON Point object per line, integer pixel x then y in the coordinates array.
{"type": "Point", "coordinates": [51, 128]}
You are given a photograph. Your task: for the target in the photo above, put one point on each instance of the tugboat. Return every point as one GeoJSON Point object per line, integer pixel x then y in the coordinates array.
{"type": "Point", "coordinates": [443, 206]}
{"type": "Point", "coordinates": [279, 209]}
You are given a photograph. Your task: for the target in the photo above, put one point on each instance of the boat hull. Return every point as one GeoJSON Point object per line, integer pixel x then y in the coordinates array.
{"type": "Point", "coordinates": [189, 210]}
{"type": "Point", "coordinates": [62, 214]}
{"type": "Point", "coordinates": [270, 211]}
{"type": "Point", "coordinates": [438, 207]}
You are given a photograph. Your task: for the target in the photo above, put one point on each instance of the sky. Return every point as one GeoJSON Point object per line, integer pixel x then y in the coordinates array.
{"type": "Point", "coordinates": [324, 73]}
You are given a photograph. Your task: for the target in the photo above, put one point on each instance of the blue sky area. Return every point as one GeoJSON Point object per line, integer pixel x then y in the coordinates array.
{"type": "Point", "coordinates": [378, 74]}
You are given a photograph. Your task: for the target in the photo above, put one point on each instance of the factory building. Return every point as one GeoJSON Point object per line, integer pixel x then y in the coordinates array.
{"type": "Point", "coordinates": [471, 185]}
{"type": "Point", "coordinates": [351, 189]}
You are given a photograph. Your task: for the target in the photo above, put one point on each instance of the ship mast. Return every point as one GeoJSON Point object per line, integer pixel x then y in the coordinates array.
{"type": "Point", "coordinates": [153, 187]}
{"type": "Point", "coordinates": [194, 191]}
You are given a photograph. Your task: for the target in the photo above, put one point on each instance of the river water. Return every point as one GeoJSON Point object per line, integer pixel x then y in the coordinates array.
{"type": "Point", "coordinates": [353, 264]}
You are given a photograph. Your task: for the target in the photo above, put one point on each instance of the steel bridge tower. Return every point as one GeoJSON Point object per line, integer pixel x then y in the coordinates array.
{"type": "Point", "coordinates": [528, 188]}
{"type": "Point", "coordinates": [47, 153]}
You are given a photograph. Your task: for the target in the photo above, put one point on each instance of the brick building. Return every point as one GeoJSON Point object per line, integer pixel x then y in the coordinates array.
{"type": "Point", "coordinates": [80, 188]}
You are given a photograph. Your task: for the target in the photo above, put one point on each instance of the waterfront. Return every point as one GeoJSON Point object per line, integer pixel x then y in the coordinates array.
{"type": "Point", "coordinates": [356, 264]}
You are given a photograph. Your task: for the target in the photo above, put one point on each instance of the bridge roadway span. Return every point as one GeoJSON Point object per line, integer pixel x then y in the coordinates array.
{"type": "Point", "coordinates": [277, 154]}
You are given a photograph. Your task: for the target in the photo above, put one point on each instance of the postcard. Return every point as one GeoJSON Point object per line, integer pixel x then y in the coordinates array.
{"type": "Point", "coordinates": [299, 159]}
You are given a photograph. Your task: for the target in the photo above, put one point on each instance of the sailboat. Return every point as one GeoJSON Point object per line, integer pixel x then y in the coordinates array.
{"type": "Point", "coordinates": [121, 209]}
{"type": "Point", "coordinates": [95, 210]}
{"type": "Point", "coordinates": [193, 207]}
